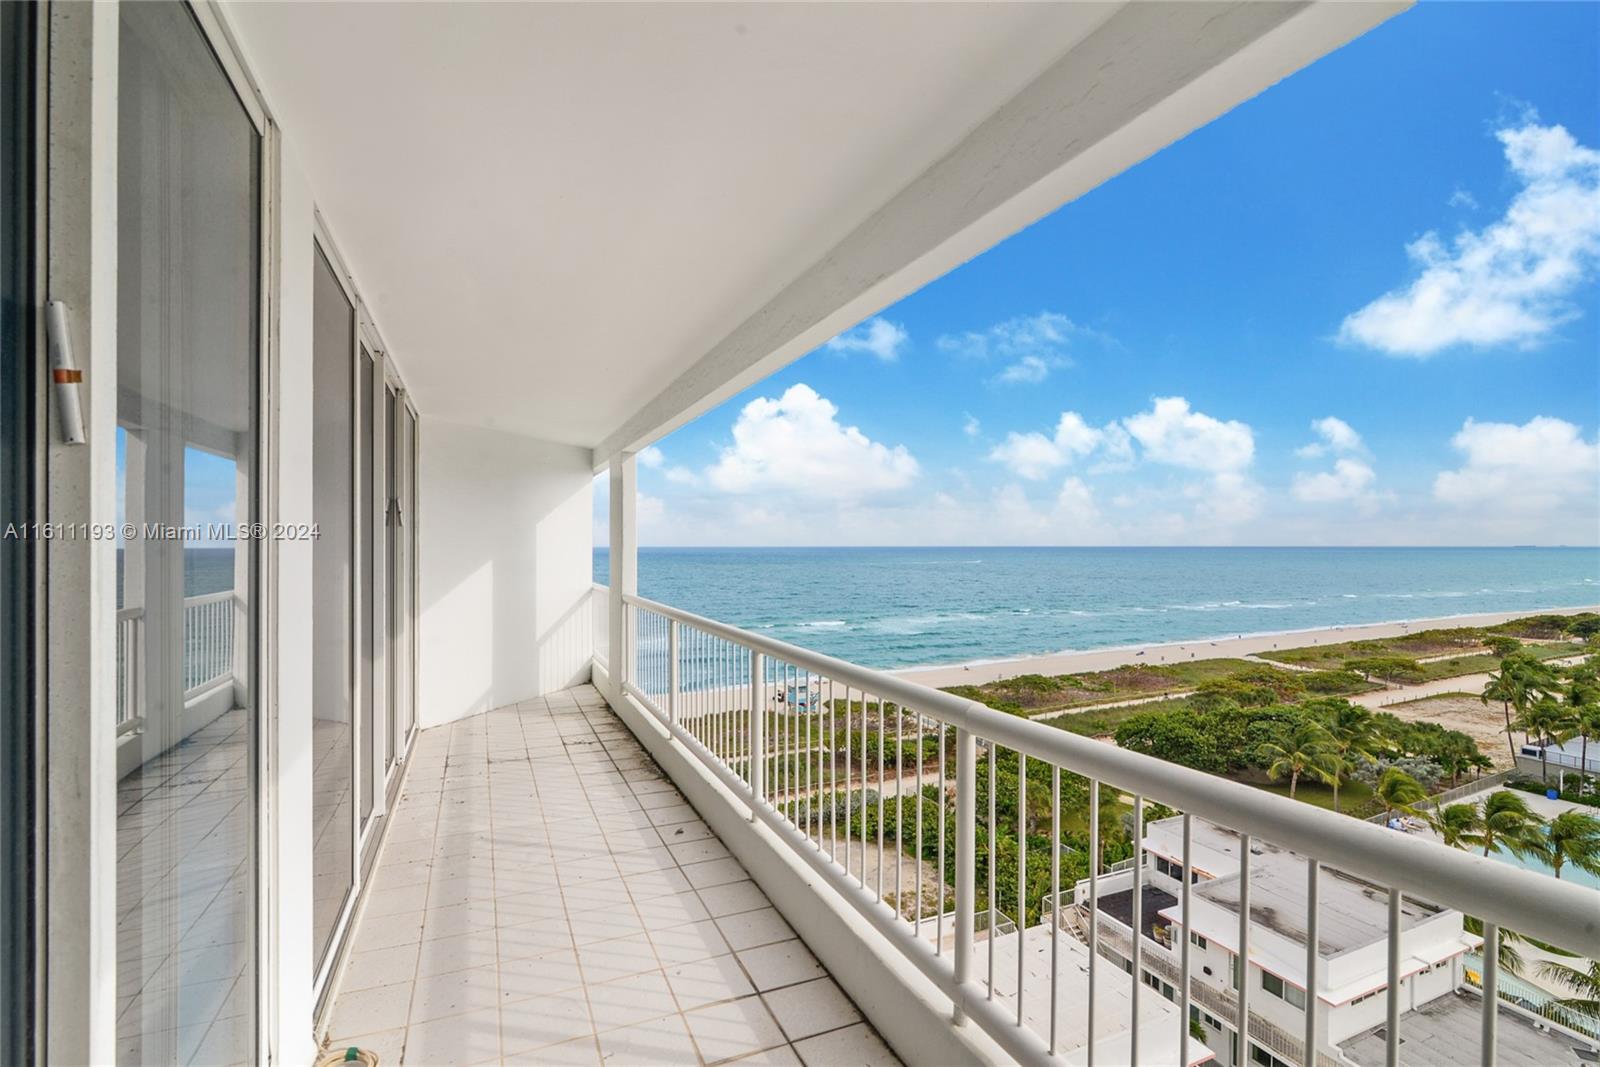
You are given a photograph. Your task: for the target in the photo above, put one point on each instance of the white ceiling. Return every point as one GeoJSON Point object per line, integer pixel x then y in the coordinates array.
{"type": "Point", "coordinates": [555, 210]}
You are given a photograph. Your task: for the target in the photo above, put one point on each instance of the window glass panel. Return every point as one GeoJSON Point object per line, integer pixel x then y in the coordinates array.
{"type": "Point", "coordinates": [187, 316]}
{"type": "Point", "coordinates": [332, 619]}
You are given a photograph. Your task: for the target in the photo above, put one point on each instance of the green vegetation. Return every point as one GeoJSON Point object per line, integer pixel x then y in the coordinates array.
{"type": "Point", "coordinates": [1249, 683]}
{"type": "Point", "coordinates": [855, 819]}
{"type": "Point", "coordinates": [1469, 649]}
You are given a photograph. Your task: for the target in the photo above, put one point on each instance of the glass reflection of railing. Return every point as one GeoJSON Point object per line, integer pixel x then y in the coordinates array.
{"type": "Point", "coordinates": [207, 641]}
{"type": "Point", "coordinates": [207, 654]}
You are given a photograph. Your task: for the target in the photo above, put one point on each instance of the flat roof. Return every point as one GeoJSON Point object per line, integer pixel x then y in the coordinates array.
{"type": "Point", "coordinates": [1352, 912]}
{"type": "Point", "coordinates": [1445, 1032]}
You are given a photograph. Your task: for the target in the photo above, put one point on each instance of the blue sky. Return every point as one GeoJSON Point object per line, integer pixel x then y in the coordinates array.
{"type": "Point", "coordinates": [1358, 309]}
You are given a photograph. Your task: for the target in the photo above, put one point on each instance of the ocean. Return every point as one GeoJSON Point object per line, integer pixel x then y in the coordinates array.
{"type": "Point", "coordinates": [910, 607]}
{"type": "Point", "coordinates": [205, 570]}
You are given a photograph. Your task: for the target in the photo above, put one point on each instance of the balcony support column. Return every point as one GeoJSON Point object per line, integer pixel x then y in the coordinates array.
{"type": "Point", "coordinates": [624, 571]}
{"type": "Point", "coordinates": [966, 859]}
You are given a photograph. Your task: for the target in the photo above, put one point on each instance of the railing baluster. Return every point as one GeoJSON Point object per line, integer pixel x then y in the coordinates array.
{"type": "Point", "coordinates": [1055, 895]}
{"type": "Point", "coordinates": [848, 750]}
{"type": "Point", "coordinates": [990, 865]}
{"type": "Point", "coordinates": [966, 857]}
{"type": "Point", "coordinates": [1391, 1052]}
{"type": "Point", "coordinates": [1094, 912]}
{"type": "Point", "coordinates": [1313, 936]}
{"type": "Point", "coordinates": [1137, 951]}
{"type": "Point", "coordinates": [880, 796]}
{"type": "Point", "coordinates": [1022, 878]}
{"type": "Point", "coordinates": [1242, 961]}
{"type": "Point", "coordinates": [918, 868]}
{"type": "Point", "coordinates": [1183, 951]}
{"type": "Point", "coordinates": [939, 787]}
{"type": "Point", "coordinates": [1489, 1052]}
{"type": "Point", "coordinates": [899, 809]}
{"type": "Point", "coordinates": [674, 679]}
{"type": "Point", "coordinates": [755, 746]}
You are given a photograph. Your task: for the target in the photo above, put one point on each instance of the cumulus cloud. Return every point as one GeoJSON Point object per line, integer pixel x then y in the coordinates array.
{"type": "Point", "coordinates": [1030, 345]}
{"type": "Point", "coordinates": [1034, 456]}
{"type": "Point", "coordinates": [1171, 432]}
{"type": "Point", "coordinates": [877, 337]}
{"type": "Point", "coordinates": [1336, 436]}
{"type": "Point", "coordinates": [1350, 479]}
{"type": "Point", "coordinates": [1509, 283]}
{"type": "Point", "coordinates": [1538, 467]}
{"type": "Point", "coordinates": [971, 427]}
{"type": "Point", "coordinates": [651, 457]}
{"type": "Point", "coordinates": [796, 444]}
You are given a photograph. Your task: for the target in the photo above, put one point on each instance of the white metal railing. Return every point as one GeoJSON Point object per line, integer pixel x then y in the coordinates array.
{"type": "Point", "coordinates": [207, 641]}
{"type": "Point", "coordinates": [130, 659]}
{"type": "Point", "coordinates": [600, 612]}
{"type": "Point", "coordinates": [853, 768]}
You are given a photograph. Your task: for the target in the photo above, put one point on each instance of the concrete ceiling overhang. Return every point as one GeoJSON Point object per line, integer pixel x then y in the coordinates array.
{"type": "Point", "coordinates": [590, 222]}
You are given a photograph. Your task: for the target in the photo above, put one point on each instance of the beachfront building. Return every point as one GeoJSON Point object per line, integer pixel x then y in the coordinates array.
{"type": "Point", "coordinates": [380, 289]}
{"type": "Point", "coordinates": [1437, 961]}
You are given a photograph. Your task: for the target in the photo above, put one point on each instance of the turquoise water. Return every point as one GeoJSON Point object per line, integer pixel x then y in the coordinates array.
{"type": "Point", "coordinates": [1569, 873]}
{"type": "Point", "coordinates": [900, 607]}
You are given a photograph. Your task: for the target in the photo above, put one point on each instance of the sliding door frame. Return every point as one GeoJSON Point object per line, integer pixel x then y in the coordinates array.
{"type": "Point", "coordinates": [367, 342]}
{"type": "Point", "coordinates": [81, 269]}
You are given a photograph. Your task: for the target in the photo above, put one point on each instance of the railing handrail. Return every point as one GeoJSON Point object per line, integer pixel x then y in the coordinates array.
{"type": "Point", "coordinates": [207, 598]}
{"type": "Point", "coordinates": [1554, 911]}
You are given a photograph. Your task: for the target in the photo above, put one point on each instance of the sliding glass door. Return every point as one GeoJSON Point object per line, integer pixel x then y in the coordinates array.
{"type": "Point", "coordinates": [188, 357]}
{"type": "Point", "coordinates": [363, 605]}
{"type": "Point", "coordinates": [333, 608]}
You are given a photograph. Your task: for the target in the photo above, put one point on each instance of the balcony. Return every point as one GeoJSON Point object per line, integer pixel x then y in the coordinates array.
{"type": "Point", "coordinates": [546, 896]}
{"type": "Point", "coordinates": [567, 881]}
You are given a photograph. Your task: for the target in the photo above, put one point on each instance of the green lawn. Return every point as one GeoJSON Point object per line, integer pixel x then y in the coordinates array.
{"type": "Point", "coordinates": [1355, 797]}
{"type": "Point", "coordinates": [1104, 721]}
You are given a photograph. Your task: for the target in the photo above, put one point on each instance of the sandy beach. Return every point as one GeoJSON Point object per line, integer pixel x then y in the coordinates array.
{"type": "Point", "coordinates": [1216, 648]}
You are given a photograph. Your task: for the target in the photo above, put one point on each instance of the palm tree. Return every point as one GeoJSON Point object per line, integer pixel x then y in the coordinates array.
{"type": "Point", "coordinates": [1508, 823]}
{"type": "Point", "coordinates": [1352, 736]}
{"type": "Point", "coordinates": [1553, 722]}
{"type": "Point", "coordinates": [1458, 825]}
{"type": "Point", "coordinates": [1522, 680]}
{"type": "Point", "coordinates": [1510, 958]}
{"type": "Point", "coordinates": [1571, 837]}
{"type": "Point", "coordinates": [1588, 721]}
{"type": "Point", "coordinates": [1304, 749]}
{"type": "Point", "coordinates": [1585, 981]}
{"type": "Point", "coordinates": [1583, 697]}
{"type": "Point", "coordinates": [1399, 792]}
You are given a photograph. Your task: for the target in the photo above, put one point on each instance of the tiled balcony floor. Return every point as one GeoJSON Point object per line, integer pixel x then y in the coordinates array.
{"type": "Point", "coordinates": [546, 896]}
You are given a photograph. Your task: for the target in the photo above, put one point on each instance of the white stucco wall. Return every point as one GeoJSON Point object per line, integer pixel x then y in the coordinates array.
{"type": "Point", "coordinates": [505, 562]}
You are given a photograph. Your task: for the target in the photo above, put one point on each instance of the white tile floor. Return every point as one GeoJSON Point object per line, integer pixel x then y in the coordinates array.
{"type": "Point", "coordinates": [547, 897]}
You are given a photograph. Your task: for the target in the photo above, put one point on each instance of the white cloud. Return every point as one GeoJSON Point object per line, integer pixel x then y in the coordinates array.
{"type": "Point", "coordinates": [971, 427]}
{"type": "Point", "coordinates": [682, 476]}
{"type": "Point", "coordinates": [796, 444]}
{"type": "Point", "coordinates": [1337, 436]}
{"type": "Point", "coordinates": [1034, 456]}
{"type": "Point", "coordinates": [1228, 499]}
{"type": "Point", "coordinates": [1350, 479]}
{"type": "Point", "coordinates": [877, 336]}
{"type": "Point", "coordinates": [1029, 370]}
{"type": "Point", "coordinates": [1171, 432]}
{"type": "Point", "coordinates": [1463, 199]}
{"type": "Point", "coordinates": [651, 457]}
{"type": "Point", "coordinates": [1031, 345]}
{"type": "Point", "coordinates": [1538, 467]}
{"type": "Point", "coordinates": [1510, 282]}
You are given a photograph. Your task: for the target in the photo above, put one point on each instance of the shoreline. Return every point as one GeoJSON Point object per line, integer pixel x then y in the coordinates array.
{"type": "Point", "coordinates": [1079, 661]}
